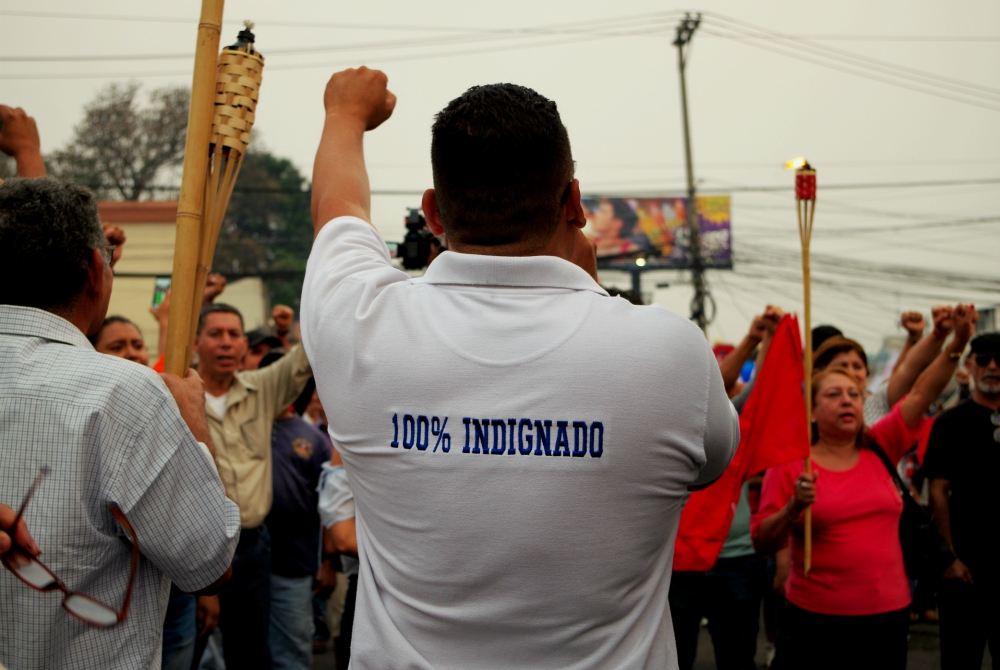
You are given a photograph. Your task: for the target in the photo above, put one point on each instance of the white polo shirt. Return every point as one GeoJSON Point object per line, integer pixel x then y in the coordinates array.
{"type": "Point", "coordinates": [519, 445]}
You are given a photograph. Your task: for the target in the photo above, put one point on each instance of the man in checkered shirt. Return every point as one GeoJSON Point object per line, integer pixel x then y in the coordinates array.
{"type": "Point", "coordinates": [110, 431]}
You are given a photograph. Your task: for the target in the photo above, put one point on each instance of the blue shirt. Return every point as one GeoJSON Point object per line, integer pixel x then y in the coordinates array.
{"type": "Point", "coordinates": [298, 452]}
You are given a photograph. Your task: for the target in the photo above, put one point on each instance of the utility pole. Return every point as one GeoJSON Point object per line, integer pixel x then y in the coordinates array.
{"type": "Point", "coordinates": [685, 30]}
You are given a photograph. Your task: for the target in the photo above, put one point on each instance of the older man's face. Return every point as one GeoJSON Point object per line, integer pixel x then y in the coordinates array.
{"type": "Point", "coordinates": [221, 343]}
{"type": "Point", "coordinates": [984, 368]}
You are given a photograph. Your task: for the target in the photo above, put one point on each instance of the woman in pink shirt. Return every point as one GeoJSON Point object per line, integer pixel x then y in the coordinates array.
{"type": "Point", "coordinates": [853, 608]}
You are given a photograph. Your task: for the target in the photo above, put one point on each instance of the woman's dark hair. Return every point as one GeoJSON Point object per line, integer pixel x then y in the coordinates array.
{"type": "Point", "coordinates": [96, 337]}
{"type": "Point", "coordinates": [502, 162]}
{"type": "Point", "coordinates": [832, 348]}
{"type": "Point", "coordinates": [48, 232]}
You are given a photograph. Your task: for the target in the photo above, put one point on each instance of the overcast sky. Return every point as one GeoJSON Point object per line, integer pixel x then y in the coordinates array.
{"type": "Point", "coordinates": [614, 77]}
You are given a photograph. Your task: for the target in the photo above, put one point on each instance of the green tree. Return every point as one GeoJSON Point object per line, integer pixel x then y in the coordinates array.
{"type": "Point", "coordinates": [268, 227]}
{"type": "Point", "coordinates": [121, 148]}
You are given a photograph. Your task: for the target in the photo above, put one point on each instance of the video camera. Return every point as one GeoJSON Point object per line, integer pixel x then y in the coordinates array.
{"type": "Point", "coordinates": [416, 247]}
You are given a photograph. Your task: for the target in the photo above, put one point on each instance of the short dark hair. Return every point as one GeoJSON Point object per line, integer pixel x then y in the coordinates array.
{"type": "Point", "coordinates": [48, 232]}
{"type": "Point", "coordinates": [502, 165]}
{"type": "Point", "coordinates": [823, 333]}
{"type": "Point", "coordinates": [216, 308]}
{"type": "Point", "coordinates": [96, 337]}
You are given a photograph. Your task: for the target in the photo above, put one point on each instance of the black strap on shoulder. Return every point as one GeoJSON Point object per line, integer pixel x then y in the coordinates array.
{"type": "Point", "coordinates": [893, 472]}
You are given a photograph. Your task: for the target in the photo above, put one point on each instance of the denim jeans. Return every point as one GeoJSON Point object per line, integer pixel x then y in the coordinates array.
{"type": "Point", "coordinates": [245, 604]}
{"type": "Point", "coordinates": [179, 631]}
{"type": "Point", "coordinates": [291, 622]}
{"type": "Point", "coordinates": [729, 595]}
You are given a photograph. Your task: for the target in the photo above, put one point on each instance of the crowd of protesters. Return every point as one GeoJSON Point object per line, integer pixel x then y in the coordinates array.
{"type": "Point", "coordinates": [206, 521]}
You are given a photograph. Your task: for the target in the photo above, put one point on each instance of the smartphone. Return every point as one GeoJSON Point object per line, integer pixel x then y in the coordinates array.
{"type": "Point", "coordinates": [160, 289]}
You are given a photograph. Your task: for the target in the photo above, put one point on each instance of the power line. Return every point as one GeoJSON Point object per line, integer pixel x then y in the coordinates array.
{"type": "Point", "coordinates": [354, 61]}
{"type": "Point", "coordinates": [847, 56]}
{"type": "Point", "coordinates": [440, 28]}
{"type": "Point", "coordinates": [607, 26]}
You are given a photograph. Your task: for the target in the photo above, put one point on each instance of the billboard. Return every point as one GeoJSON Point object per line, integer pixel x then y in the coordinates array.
{"type": "Point", "coordinates": [657, 228]}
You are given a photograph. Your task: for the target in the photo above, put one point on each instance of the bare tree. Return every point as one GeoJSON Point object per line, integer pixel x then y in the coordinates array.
{"type": "Point", "coordinates": [120, 148]}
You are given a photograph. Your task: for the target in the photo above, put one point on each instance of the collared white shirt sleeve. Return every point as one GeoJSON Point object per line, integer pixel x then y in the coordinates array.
{"type": "Point", "coordinates": [347, 255]}
{"type": "Point", "coordinates": [336, 501]}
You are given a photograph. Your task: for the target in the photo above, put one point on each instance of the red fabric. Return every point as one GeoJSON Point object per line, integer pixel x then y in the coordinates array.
{"type": "Point", "coordinates": [857, 566]}
{"type": "Point", "coordinates": [160, 363]}
{"type": "Point", "coordinates": [894, 436]}
{"type": "Point", "coordinates": [772, 431]}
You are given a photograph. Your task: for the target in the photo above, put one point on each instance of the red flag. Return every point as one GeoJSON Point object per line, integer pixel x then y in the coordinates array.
{"type": "Point", "coordinates": [772, 432]}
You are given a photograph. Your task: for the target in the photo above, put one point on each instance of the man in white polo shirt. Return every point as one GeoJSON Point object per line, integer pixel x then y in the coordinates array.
{"type": "Point", "coordinates": [519, 444]}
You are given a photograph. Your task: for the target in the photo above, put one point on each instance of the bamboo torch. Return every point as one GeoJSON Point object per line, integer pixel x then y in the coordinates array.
{"type": "Point", "coordinates": [805, 207]}
{"type": "Point", "coordinates": [192, 195]}
{"type": "Point", "coordinates": [237, 89]}
{"type": "Point", "coordinates": [223, 102]}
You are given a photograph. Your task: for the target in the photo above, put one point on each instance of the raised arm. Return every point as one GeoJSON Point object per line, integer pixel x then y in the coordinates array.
{"type": "Point", "coordinates": [932, 381]}
{"type": "Point", "coordinates": [915, 359]}
{"type": "Point", "coordinates": [355, 101]}
{"type": "Point", "coordinates": [19, 139]}
{"type": "Point", "coordinates": [732, 364]}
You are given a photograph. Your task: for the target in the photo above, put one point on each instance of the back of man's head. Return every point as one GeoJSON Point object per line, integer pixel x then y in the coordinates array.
{"type": "Point", "coordinates": [502, 166]}
{"type": "Point", "coordinates": [48, 232]}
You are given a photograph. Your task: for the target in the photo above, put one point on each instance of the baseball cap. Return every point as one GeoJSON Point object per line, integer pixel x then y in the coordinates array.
{"type": "Point", "coordinates": [986, 342]}
{"type": "Point", "coordinates": [260, 336]}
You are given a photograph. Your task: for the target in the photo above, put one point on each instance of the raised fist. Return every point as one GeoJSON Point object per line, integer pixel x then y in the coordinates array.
{"type": "Point", "coordinates": [913, 322]}
{"type": "Point", "coordinates": [941, 316]}
{"type": "Point", "coordinates": [361, 95]}
{"type": "Point", "coordinates": [19, 133]}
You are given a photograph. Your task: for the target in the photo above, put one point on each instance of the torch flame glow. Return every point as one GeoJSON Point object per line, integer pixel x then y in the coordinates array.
{"type": "Point", "coordinates": [796, 163]}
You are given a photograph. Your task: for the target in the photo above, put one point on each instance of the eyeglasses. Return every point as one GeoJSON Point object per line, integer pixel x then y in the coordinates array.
{"type": "Point", "coordinates": [32, 572]}
{"type": "Point", "coordinates": [109, 252]}
{"type": "Point", "coordinates": [983, 359]}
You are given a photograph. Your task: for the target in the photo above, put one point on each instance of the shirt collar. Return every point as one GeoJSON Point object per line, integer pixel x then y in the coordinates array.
{"type": "Point", "coordinates": [527, 271]}
{"type": "Point", "coordinates": [33, 322]}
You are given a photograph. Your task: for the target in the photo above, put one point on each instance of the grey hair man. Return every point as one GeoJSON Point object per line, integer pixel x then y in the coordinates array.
{"type": "Point", "coordinates": [115, 439]}
{"type": "Point", "coordinates": [963, 455]}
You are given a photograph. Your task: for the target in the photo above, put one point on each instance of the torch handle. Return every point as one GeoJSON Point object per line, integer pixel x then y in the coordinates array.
{"type": "Point", "coordinates": [184, 293]}
{"type": "Point", "coordinates": [806, 208]}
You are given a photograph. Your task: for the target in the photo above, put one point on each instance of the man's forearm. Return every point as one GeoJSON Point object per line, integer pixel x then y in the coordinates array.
{"type": "Point", "coordinates": [940, 511]}
{"type": "Point", "coordinates": [30, 164]}
{"type": "Point", "coordinates": [340, 179]}
{"type": "Point", "coordinates": [906, 372]}
{"type": "Point", "coordinates": [732, 364]}
{"type": "Point", "coordinates": [907, 346]}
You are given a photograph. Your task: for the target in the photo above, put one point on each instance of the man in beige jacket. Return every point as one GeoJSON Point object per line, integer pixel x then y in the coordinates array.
{"type": "Point", "coordinates": [241, 408]}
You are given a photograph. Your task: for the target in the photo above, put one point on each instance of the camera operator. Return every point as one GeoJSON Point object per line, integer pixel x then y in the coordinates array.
{"type": "Point", "coordinates": [420, 246]}
{"type": "Point", "coordinates": [509, 430]}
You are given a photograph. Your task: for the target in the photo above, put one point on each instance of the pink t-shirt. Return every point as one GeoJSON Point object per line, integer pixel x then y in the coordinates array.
{"type": "Point", "coordinates": [857, 560]}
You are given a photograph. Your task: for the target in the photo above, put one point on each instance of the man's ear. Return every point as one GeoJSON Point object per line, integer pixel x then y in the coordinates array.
{"type": "Point", "coordinates": [431, 213]}
{"type": "Point", "coordinates": [573, 209]}
{"type": "Point", "coordinates": [95, 273]}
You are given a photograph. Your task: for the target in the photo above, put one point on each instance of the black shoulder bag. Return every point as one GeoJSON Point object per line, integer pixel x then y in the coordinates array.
{"type": "Point", "coordinates": [925, 553]}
